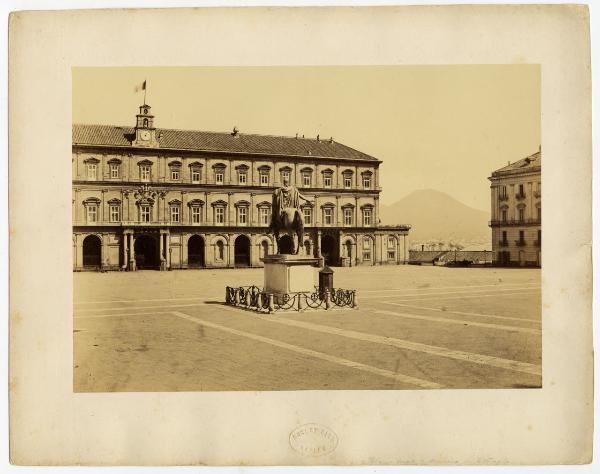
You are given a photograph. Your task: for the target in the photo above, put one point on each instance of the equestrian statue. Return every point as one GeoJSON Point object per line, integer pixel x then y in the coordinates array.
{"type": "Point", "coordinates": [286, 217]}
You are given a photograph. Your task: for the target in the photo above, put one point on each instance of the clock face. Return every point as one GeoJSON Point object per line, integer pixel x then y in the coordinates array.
{"type": "Point", "coordinates": [145, 135]}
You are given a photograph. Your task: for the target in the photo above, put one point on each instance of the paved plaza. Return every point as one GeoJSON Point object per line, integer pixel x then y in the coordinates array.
{"type": "Point", "coordinates": [416, 328]}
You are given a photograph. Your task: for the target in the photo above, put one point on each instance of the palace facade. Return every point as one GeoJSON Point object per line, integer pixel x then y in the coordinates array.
{"type": "Point", "coordinates": [517, 212]}
{"type": "Point", "coordinates": [145, 197]}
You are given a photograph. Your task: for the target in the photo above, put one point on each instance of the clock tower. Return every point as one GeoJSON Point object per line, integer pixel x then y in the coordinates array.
{"type": "Point", "coordinates": [145, 133]}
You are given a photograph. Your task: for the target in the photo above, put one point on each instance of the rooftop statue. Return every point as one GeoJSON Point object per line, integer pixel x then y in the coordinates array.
{"type": "Point", "coordinates": [286, 216]}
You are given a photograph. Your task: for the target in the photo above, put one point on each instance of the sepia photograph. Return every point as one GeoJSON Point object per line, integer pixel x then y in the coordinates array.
{"type": "Point", "coordinates": [300, 236]}
{"type": "Point", "coordinates": [306, 228]}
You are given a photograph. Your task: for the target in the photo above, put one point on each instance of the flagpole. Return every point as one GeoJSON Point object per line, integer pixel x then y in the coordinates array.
{"type": "Point", "coordinates": [145, 87]}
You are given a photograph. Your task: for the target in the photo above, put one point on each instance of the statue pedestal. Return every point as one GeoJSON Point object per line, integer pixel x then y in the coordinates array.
{"type": "Point", "coordinates": [286, 274]}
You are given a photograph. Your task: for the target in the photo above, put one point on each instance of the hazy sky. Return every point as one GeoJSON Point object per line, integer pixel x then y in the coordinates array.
{"type": "Point", "coordinates": [438, 127]}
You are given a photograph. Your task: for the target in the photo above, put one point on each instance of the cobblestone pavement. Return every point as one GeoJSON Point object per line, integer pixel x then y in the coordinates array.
{"type": "Point", "coordinates": [416, 328]}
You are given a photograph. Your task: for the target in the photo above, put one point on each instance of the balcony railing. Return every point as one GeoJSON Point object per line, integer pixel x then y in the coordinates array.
{"type": "Point", "coordinates": [515, 222]}
{"type": "Point", "coordinates": [520, 196]}
{"type": "Point", "coordinates": [520, 243]}
{"type": "Point", "coordinates": [503, 243]}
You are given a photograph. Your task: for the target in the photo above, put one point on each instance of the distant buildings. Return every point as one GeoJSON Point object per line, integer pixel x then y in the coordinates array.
{"type": "Point", "coordinates": [145, 197]}
{"type": "Point", "coordinates": [517, 212]}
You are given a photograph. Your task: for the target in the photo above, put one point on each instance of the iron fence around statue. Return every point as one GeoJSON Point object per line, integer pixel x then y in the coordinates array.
{"type": "Point", "coordinates": [254, 298]}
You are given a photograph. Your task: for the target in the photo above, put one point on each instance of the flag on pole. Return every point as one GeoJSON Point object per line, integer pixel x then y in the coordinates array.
{"type": "Point", "coordinates": [141, 87]}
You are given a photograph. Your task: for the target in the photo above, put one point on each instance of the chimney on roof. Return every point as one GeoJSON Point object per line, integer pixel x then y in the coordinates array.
{"type": "Point", "coordinates": [303, 135]}
{"type": "Point", "coordinates": [296, 136]}
{"type": "Point", "coordinates": [330, 139]}
{"type": "Point", "coordinates": [318, 138]}
{"type": "Point", "coordinates": [235, 131]}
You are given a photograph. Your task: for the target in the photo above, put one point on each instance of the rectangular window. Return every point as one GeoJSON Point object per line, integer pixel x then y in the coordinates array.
{"type": "Point", "coordinates": [504, 238]}
{"type": "Point", "coordinates": [539, 237]}
{"type": "Point", "coordinates": [242, 215]}
{"type": "Point", "coordinates": [539, 213]}
{"type": "Point", "coordinates": [328, 216]}
{"type": "Point", "coordinates": [145, 213]}
{"type": "Point", "coordinates": [196, 215]}
{"type": "Point", "coordinates": [391, 255]}
{"type": "Point", "coordinates": [115, 213]}
{"type": "Point", "coordinates": [367, 182]}
{"type": "Point", "coordinates": [521, 236]}
{"type": "Point", "coordinates": [242, 177]}
{"type": "Point", "coordinates": [264, 179]}
{"type": "Point", "coordinates": [219, 215]}
{"type": "Point", "coordinates": [92, 214]}
{"type": "Point", "coordinates": [347, 216]}
{"type": "Point", "coordinates": [306, 180]}
{"type": "Point", "coordinates": [92, 171]}
{"type": "Point", "coordinates": [195, 175]}
{"type": "Point", "coordinates": [347, 182]}
{"type": "Point", "coordinates": [174, 174]}
{"type": "Point", "coordinates": [114, 170]}
{"type": "Point", "coordinates": [327, 180]}
{"type": "Point", "coordinates": [307, 216]}
{"type": "Point", "coordinates": [502, 191]}
{"type": "Point", "coordinates": [145, 173]}
{"type": "Point", "coordinates": [391, 242]}
{"type": "Point", "coordinates": [521, 214]}
{"type": "Point", "coordinates": [174, 213]}
{"type": "Point", "coordinates": [367, 217]}
{"type": "Point", "coordinates": [264, 215]}
{"type": "Point", "coordinates": [367, 249]}
{"type": "Point", "coordinates": [504, 215]}
{"type": "Point", "coordinates": [219, 175]}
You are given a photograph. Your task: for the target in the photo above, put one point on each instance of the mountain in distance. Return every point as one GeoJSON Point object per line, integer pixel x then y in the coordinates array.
{"type": "Point", "coordinates": [436, 216]}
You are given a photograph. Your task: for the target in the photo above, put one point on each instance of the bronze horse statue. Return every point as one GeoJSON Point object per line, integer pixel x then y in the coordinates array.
{"type": "Point", "coordinates": [286, 217]}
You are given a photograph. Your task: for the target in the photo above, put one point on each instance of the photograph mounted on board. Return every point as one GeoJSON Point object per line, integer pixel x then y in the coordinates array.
{"type": "Point", "coordinates": [306, 228]}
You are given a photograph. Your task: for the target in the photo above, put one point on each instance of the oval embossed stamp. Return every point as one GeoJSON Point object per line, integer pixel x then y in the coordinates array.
{"type": "Point", "coordinates": [313, 439]}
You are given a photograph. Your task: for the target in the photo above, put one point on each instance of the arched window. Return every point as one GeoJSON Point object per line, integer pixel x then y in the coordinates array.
{"type": "Point", "coordinates": [145, 122]}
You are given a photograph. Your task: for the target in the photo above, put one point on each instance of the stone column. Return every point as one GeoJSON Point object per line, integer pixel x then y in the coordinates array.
{"type": "Point", "coordinates": [102, 204]}
{"type": "Point", "coordinates": [230, 209]}
{"type": "Point", "coordinates": [205, 237]}
{"type": "Point", "coordinates": [376, 212]}
{"type": "Point", "coordinates": [231, 251]}
{"type": "Point", "coordinates": [185, 210]}
{"type": "Point", "coordinates": [253, 220]}
{"type": "Point", "coordinates": [318, 243]}
{"type": "Point", "coordinates": [131, 252]}
{"type": "Point", "coordinates": [160, 246]}
{"type": "Point", "coordinates": [338, 215]}
{"type": "Point", "coordinates": [124, 249]}
{"type": "Point", "coordinates": [76, 207]}
{"type": "Point", "coordinates": [79, 249]}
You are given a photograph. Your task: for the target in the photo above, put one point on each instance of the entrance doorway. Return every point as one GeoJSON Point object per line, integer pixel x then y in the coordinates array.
{"type": "Point", "coordinates": [196, 251]}
{"type": "Point", "coordinates": [146, 252]}
{"type": "Point", "coordinates": [92, 251]}
{"type": "Point", "coordinates": [286, 244]}
{"type": "Point", "coordinates": [242, 251]}
{"type": "Point", "coordinates": [329, 249]}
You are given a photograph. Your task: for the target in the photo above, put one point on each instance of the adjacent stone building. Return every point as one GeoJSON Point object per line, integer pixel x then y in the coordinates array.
{"type": "Point", "coordinates": [145, 197]}
{"type": "Point", "coordinates": [517, 212]}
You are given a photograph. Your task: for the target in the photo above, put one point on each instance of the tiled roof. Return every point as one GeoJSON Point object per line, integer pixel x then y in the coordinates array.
{"type": "Point", "coordinates": [531, 163]}
{"type": "Point", "coordinates": [111, 135]}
